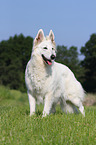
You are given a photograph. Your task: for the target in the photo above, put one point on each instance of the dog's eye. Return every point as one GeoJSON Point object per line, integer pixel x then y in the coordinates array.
{"type": "Point", "coordinates": [45, 48]}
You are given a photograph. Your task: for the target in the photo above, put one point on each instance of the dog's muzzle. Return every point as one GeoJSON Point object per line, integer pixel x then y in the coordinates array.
{"type": "Point", "coordinates": [48, 61]}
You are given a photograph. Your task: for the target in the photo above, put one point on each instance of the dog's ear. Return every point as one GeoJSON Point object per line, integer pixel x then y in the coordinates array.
{"type": "Point", "coordinates": [51, 35]}
{"type": "Point", "coordinates": [39, 38]}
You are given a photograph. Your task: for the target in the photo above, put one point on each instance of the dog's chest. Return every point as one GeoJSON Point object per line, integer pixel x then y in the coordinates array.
{"type": "Point", "coordinates": [38, 82]}
{"type": "Point", "coordinates": [39, 79]}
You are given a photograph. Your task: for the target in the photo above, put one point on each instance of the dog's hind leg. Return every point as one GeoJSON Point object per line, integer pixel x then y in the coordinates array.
{"type": "Point", "coordinates": [70, 108]}
{"type": "Point", "coordinates": [32, 104]}
{"type": "Point", "coordinates": [62, 104]}
{"type": "Point", "coordinates": [66, 107]}
{"type": "Point", "coordinates": [77, 102]}
{"type": "Point", "coordinates": [53, 110]}
{"type": "Point", "coordinates": [81, 108]}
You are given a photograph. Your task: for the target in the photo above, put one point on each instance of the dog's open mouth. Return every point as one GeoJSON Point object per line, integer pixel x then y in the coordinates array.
{"type": "Point", "coordinates": [48, 61]}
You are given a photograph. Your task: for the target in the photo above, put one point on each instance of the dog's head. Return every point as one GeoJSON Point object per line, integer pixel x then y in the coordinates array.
{"type": "Point", "coordinates": [45, 47]}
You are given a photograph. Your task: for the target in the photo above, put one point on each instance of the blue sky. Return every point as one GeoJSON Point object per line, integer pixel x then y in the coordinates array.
{"type": "Point", "coordinates": [72, 21]}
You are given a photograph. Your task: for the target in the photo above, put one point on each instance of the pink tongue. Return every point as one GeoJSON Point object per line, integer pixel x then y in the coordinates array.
{"type": "Point", "coordinates": [49, 63]}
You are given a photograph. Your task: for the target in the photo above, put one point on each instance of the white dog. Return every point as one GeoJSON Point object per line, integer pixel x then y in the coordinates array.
{"type": "Point", "coordinates": [51, 81]}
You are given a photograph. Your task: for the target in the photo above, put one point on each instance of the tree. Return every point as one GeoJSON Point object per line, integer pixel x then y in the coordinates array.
{"type": "Point", "coordinates": [89, 64]}
{"type": "Point", "coordinates": [14, 55]}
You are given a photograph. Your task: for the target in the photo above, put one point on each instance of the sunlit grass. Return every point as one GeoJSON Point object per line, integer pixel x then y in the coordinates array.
{"type": "Point", "coordinates": [17, 127]}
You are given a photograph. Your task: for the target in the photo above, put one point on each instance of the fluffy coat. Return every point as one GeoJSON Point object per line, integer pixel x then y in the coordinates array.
{"type": "Point", "coordinates": [51, 81]}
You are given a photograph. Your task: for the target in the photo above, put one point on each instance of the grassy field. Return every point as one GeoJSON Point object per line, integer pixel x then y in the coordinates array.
{"type": "Point", "coordinates": [18, 128]}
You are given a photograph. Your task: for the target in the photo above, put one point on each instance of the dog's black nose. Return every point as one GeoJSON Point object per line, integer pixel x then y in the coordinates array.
{"type": "Point", "coordinates": [53, 56]}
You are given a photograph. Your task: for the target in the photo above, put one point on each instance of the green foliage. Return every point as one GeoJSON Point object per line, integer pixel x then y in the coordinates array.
{"type": "Point", "coordinates": [15, 96]}
{"type": "Point", "coordinates": [89, 63]}
{"type": "Point", "coordinates": [14, 55]}
{"type": "Point", "coordinates": [17, 127]}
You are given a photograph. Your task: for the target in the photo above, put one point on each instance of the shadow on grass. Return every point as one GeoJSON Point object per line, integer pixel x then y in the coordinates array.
{"type": "Point", "coordinates": [38, 113]}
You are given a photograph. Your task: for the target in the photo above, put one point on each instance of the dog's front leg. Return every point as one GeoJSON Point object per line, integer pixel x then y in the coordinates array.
{"type": "Point", "coordinates": [47, 104]}
{"type": "Point", "coordinates": [32, 104]}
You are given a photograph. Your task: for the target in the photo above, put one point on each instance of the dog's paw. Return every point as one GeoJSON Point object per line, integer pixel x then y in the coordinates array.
{"type": "Point", "coordinates": [44, 114]}
{"type": "Point", "coordinates": [33, 113]}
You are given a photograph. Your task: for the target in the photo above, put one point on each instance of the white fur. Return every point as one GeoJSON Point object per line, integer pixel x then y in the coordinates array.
{"type": "Point", "coordinates": [52, 83]}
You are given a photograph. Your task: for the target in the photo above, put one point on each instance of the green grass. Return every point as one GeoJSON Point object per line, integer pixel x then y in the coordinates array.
{"type": "Point", "coordinates": [17, 127]}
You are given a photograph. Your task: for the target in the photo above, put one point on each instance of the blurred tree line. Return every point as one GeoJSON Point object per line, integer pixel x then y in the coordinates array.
{"type": "Point", "coordinates": [15, 53]}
